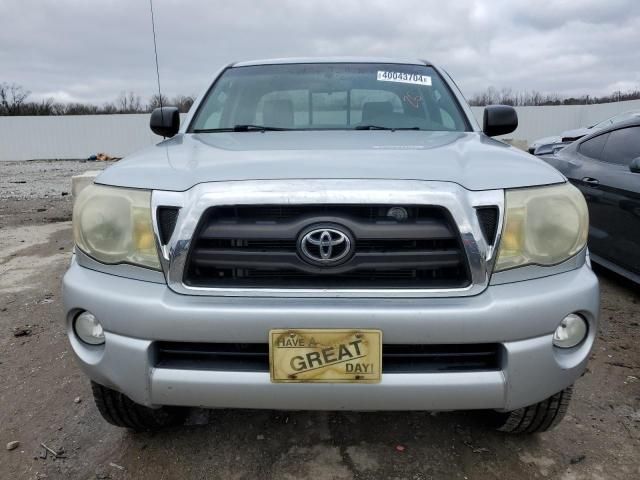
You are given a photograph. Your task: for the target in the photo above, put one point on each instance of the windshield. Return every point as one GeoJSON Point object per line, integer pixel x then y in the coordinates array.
{"type": "Point", "coordinates": [617, 119]}
{"type": "Point", "coordinates": [329, 96]}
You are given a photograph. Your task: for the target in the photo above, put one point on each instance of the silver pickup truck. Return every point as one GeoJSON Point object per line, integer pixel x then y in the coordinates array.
{"type": "Point", "coordinates": [331, 234]}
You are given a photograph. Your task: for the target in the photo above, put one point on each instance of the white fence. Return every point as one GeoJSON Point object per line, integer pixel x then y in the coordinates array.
{"type": "Point", "coordinates": [73, 136]}
{"type": "Point", "coordinates": [76, 137]}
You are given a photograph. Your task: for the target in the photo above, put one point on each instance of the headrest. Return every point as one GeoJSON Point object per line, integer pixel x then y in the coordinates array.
{"type": "Point", "coordinates": [374, 110]}
{"type": "Point", "coordinates": [278, 113]}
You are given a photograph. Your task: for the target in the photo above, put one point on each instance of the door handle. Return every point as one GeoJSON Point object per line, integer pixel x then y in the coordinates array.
{"type": "Point", "coordinates": [594, 182]}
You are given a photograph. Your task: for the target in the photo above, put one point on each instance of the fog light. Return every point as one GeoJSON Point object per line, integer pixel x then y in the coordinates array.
{"type": "Point", "coordinates": [571, 331]}
{"type": "Point", "coordinates": [88, 329]}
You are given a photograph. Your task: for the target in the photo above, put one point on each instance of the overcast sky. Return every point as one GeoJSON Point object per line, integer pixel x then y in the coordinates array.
{"type": "Point", "coordinates": [88, 50]}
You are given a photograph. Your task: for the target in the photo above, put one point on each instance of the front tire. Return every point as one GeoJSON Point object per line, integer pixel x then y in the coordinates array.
{"type": "Point", "coordinates": [121, 411]}
{"type": "Point", "coordinates": [538, 417]}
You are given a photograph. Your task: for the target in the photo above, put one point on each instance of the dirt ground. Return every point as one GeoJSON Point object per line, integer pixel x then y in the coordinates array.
{"type": "Point", "coordinates": [45, 399]}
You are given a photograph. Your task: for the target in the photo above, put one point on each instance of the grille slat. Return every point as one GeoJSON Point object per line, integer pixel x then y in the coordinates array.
{"type": "Point", "coordinates": [271, 230]}
{"type": "Point", "coordinates": [367, 260]}
{"type": "Point", "coordinates": [396, 358]}
{"type": "Point", "coordinates": [256, 247]}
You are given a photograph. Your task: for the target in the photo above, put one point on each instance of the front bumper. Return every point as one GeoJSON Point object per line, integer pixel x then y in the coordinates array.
{"type": "Point", "coordinates": [522, 316]}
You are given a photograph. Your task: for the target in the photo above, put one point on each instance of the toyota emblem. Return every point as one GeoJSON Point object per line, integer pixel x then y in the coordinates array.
{"type": "Point", "coordinates": [325, 245]}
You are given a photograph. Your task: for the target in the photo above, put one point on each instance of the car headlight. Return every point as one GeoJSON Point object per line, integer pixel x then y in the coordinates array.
{"type": "Point", "coordinates": [542, 226]}
{"type": "Point", "coordinates": [113, 225]}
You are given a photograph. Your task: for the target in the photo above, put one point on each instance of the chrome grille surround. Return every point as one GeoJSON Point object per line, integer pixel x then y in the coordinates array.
{"type": "Point", "coordinates": [460, 203]}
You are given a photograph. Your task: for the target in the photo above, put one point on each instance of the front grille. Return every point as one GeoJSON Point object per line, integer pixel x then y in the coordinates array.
{"type": "Point", "coordinates": [257, 247]}
{"type": "Point", "coordinates": [396, 358]}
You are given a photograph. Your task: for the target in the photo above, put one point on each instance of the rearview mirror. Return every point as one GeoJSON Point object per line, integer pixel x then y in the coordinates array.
{"type": "Point", "coordinates": [634, 166]}
{"type": "Point", "coordinates": [499, 120]}
{"type": "Point", "coordinates": [165, 121]}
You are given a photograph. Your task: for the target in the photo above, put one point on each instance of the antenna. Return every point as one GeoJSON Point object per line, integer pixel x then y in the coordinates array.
{"type": "Point", "coordinates": [155, 48]}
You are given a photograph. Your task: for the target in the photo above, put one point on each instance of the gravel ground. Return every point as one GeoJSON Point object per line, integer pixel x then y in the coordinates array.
{"type": "Point", "coordinates": [41, 179]}
{"type": "Point", "coordinates": [45, 399]}
{"type": "Point", "coordinates": [39, 191]}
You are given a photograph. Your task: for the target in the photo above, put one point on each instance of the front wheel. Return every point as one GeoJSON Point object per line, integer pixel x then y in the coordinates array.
{"type": "Point", "coordinates": [538, 417]}
{"type": "Point", "coordinates": [121, 411]}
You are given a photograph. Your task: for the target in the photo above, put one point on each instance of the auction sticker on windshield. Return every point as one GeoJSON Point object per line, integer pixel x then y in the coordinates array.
{"type": "Point", "coordinates": [325, 355]}
{"type": "Point", "coordinates": [403, 77]}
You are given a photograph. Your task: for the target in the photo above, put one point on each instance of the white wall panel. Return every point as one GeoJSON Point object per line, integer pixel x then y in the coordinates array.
{"type": "Point", "coordinates": [78, 136]}
{"type": "Point", "coordinates": [73, 136]}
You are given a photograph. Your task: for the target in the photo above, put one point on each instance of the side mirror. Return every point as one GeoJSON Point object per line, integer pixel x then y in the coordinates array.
{"type": "Point", "coordinates": [634, 166]}
{"type": "Point", "coordinates": [499, 120]}
{"type": "Point", "coordinates": [165, 121]}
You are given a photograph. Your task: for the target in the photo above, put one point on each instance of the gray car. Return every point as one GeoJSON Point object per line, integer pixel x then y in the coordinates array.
{"type": "Point", "coordinates": [331, 234]}
{"type": "Point", "coordinates": [547, 145]}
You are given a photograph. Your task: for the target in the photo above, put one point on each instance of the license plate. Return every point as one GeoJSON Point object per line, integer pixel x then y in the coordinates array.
{"type": "Point", "coordinates": [325, 355]}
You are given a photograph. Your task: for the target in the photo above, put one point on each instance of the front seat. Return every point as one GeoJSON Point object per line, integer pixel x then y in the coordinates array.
{"type": "Point", "coordinates": [375, 112]}
{"type": "Point", "coordinates": [278, 113]}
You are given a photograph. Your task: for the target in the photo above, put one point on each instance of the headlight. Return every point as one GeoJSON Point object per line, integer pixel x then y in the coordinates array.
{"type": "Point", "coordinates": [113, 225]}
{"type": "Point", "coordinates": [542, 226]}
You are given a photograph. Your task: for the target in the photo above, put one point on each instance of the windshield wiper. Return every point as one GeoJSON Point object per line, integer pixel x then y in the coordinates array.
{"type": "Point", "coordinates": [241, 128]}
{"type": "Point", "coordinates": [378, 127]}
{"type": "Point", "coordinates": [258, 128]}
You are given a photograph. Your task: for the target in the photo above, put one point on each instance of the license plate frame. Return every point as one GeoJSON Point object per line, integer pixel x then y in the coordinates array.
{"type": "Point", "coordinates": [342, 355]}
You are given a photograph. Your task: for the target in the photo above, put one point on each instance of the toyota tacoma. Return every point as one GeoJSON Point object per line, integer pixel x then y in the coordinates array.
{"type": "Point", "coordinates": [331, 234]}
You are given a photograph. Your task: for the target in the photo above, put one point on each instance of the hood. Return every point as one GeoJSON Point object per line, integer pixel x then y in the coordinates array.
{"type": "Point", "coordinates": [470, 159]}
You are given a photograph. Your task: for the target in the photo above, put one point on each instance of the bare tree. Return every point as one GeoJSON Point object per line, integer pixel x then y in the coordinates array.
{"type": "Point", "coordinates": [108, 108]}
{"type": "Point", "coordinates": [523, 98]}
{"type": "Point", "coordinates": [154, 101]}
{"type": "Point", "coordinates": [128, 103]}
{"type": "Point", "coordinates": [12, 97]}
{"type": "Point", "coordinates": [79, 109]}
{"type": "Point", "coordinates": [43, 107]}
{"type": "Point", "coordinates": [183, 102]}
{"type": "Point", "coordinates": [507, 97]}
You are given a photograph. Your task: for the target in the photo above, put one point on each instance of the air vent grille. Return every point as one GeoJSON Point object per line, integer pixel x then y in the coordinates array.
{"type": "Point", "coordinates": [167, 218]}
{"type": "Point", "coordinates": [488, 218]}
